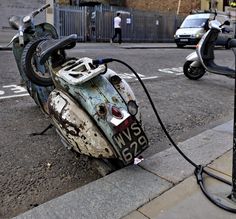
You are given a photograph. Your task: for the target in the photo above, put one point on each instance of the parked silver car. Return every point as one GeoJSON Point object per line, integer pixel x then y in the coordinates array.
{"type": "Point", "coordinates": [195, 25]}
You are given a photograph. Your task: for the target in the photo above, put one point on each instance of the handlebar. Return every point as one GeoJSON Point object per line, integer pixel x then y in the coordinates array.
{"type": "Point", "coordinates": [34, 13]}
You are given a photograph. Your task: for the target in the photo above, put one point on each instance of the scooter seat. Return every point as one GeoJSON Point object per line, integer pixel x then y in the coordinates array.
{"type": "Point", "coordinates": [232, 43]}
{"type": "Point", "coordinates": [47, 47]}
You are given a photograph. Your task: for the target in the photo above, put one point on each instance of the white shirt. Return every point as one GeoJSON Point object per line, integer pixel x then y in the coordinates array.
{"type": "Point", "coordinates": [117, 21]}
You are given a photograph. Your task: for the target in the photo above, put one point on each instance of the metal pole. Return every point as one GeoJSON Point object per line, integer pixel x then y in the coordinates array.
{"type": "Point", "coordinates": [179, 3]}
{"type": "Point", "coordinates": [233, 194]}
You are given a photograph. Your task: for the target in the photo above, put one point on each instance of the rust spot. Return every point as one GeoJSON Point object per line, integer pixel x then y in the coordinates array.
{"type": "Point", "coordinates": [83, 137]}
{"type": "Point", "coordinates": [101, 110]}
{"type": "Point", "coordinates": [115, 79]}
{"type": "Point", "coordinates": [93, 86]}
{"type": "Point", "coordinates": [81, 126]}
{"type": "Point", "coordinates": [71, 129]}
{"type": "Point", "coordinates": [67, 125]}
{"type": "Point", "coordinates": [114, 99]}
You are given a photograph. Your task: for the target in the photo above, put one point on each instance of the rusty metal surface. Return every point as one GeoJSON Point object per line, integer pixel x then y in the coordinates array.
{"type": "Point", "coordinates": [77, 127]}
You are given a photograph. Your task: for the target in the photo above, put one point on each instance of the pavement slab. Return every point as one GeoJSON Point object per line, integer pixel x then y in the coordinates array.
{"type": "Point", "coordinates": [202, 149]}
{"type": "Point", "coordinates": [186, 201]}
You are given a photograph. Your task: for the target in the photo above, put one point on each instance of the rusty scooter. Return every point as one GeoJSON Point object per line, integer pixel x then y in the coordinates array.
{"type": "Point", "coordinates": [94, 111]}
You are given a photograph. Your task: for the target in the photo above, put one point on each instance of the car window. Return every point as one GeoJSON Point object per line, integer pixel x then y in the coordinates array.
{"type": "Point", "coordinates": [193, 23]}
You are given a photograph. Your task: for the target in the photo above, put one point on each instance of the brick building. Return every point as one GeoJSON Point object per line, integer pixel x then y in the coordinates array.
{"type": "Point", "coordinates": [180, 6]}
{"type": "Point", "coordinates": [175, 6]}
{"type": "Point", "coordinates": [218, 4]}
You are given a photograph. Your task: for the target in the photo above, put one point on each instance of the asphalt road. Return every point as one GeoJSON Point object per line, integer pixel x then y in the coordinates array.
{"type": "Point", "coordinates": [35, 169]}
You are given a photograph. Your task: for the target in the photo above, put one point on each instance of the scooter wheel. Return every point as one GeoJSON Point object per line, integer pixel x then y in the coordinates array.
{"type": "Point", "coordinates": [193, 73]}
{"type": "Point", "coordinates": [36, 73]}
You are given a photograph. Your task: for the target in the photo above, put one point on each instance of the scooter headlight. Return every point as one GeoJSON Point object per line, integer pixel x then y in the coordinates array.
{"type": "Point", "coordinates": [132, 107]}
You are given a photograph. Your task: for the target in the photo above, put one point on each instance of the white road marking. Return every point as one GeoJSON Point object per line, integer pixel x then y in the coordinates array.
{"type": "Point", "coordinates": [15, 88]}
{"type": "Point", "coordinates": [148, 78]}
{"type": "Point", "coordinates": [13, 96]}
{"type": "Point", "coordinates": [176, 71]}
{"type": "Point", "coordinates": [12, 90]}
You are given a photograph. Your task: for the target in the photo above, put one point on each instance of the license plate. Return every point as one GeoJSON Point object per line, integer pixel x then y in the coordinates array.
{"type": "Point", "coordinates": [184, 40]}
{"type": "Point", "coordinates": [131, 142]}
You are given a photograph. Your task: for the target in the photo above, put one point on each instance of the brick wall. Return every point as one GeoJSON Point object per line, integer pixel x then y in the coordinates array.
{"type": "Point", "coordinates": [63, 2]}
{"type": "Point", "coordinates": [165, 6]}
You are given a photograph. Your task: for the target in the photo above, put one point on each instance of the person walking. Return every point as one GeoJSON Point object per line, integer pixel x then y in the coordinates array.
{"type": "Point", "coordinates": [117, 26]}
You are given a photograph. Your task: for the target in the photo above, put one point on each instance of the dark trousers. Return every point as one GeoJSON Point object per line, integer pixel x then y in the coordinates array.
{"type": "Point", "coordinates": [117, 32]}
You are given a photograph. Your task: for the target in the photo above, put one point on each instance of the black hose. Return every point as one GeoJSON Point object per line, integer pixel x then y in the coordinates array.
{"type": "Point", "coordinates": [199, 169]}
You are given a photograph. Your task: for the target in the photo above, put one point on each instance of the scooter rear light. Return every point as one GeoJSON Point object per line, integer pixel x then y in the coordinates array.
{"type": "Point", "coordinates": [116, 112]}
{"type": "Point", "coordinates": [125, 124]}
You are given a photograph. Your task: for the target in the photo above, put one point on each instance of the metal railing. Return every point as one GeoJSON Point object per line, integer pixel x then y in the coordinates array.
{"type": "Point", "coordinates": [96, 23]}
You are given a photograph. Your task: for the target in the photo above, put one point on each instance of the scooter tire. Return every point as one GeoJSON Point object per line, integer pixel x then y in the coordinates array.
{"type": "Point", "coordinates": [28, 60]}
{"type": "Point", "coordinates": [193, 73]}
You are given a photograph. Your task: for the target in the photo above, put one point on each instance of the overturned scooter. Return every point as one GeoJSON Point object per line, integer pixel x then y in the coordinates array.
{"type": "Point", "coordinates": [94, 111]}
{"type": "Point", "coordinates": [202, 60]}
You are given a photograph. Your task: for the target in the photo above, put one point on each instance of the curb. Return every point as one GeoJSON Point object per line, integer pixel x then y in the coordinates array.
{"type": "Point", "coordinates": [151, 47]}
{"type": "Point", "coordinates": [4, 48]}
{"type": "Point", "coordinates": [120, 193]}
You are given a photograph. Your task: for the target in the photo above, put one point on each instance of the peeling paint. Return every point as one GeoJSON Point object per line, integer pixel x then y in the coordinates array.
{"type": "Point", "coordinates": [70, 120]}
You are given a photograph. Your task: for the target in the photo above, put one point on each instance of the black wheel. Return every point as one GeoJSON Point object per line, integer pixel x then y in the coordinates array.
{"type": "Point", "coordinates": [192, 72]}
{"type": "Point", "coordinates": [36, 73]}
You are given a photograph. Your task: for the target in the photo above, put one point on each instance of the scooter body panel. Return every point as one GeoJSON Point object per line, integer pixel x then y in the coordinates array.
{"type": "Point", "coordinates": [124, 90]}
{"type": "Point", "coordinates": [77, 127]}
{"type": "Point", "coordinates": [192, 57]}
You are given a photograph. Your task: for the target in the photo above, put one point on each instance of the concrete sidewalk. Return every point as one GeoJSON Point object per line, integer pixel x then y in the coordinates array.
{"type": "Point", "coordinates": [162, 186]}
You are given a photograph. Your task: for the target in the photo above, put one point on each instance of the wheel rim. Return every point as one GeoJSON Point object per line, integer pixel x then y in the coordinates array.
{"type": "Point", "coordinates": [39, 69]}
{"type": "Point", "coordinates": [194, 72]}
